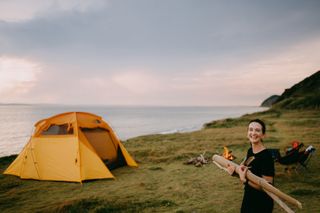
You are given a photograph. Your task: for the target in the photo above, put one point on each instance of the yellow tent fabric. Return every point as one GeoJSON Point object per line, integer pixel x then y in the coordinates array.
{"type": "Point", "coordinates": [72, 146]}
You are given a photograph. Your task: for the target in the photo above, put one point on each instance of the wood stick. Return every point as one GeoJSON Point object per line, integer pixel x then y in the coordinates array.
{"type": "Point", "coordinates": [257, 180]}
{"type": "Point", "coordinates": [273, 196]}
{"type": "Point", "coordinates": [279, 201]}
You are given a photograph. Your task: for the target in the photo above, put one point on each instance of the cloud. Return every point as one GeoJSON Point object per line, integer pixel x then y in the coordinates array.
{"type": "Point", "coordinates": [137, 82]}
{"type": "Point", "coordinates": [281, 70]}
{"type": "Point", "coordinates": [129, 86]}
{"type": "Point", "coordinates": [22, 10]}
{"type": "Point", "coordinates": [249, 82]}
{"type": "Point", "coordinates": [17, 77]}
{"type": "Point", "coordinates": [158, 53]}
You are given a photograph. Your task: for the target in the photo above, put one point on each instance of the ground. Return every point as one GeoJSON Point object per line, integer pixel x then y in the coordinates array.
{"type": "Point", "coordinates": [163, 183]}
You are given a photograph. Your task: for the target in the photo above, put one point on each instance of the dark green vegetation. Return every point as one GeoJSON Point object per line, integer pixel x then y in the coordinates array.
{"type": "Point", "coordinates": [270, 101]}
{"type": "Point", "coordinates": [162, 183]}
{"type": "Point", "coordinates": [303, 95]}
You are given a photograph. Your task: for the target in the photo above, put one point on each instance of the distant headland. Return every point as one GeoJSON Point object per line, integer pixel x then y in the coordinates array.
{"type": "Point", "coordinates": [305, 94]}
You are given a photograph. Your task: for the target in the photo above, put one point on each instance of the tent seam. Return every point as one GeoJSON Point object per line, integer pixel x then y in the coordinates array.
{"type": "Point", "coordinates": [78, 141]}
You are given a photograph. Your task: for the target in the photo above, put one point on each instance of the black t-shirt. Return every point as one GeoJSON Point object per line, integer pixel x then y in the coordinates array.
{"type": "Point", "coordinates": [256, 201]}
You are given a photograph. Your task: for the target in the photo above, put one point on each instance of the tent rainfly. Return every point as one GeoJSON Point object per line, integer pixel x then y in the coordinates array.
{"type": "Point", "coordinates": [72, 146]}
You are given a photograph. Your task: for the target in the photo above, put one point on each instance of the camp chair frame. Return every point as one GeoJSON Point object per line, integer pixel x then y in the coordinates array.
{"type": "Point", "coordinates": [297, 163]}
{"type": "Point", "coordinates": [304, 165]}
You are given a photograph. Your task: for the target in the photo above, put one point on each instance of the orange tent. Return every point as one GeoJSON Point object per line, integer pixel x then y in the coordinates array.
{"type": "Point", "coordinates": [73, 146]}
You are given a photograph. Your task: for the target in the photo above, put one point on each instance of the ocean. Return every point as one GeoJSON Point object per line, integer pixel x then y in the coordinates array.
{"type": "Point", "coordinates": [17, 121]}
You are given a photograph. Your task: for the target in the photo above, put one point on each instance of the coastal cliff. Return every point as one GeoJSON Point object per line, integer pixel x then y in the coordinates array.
{"type": "Point", "coordinates": [270, 101]}
{"type": "Point", "coordinates": [303, 95]}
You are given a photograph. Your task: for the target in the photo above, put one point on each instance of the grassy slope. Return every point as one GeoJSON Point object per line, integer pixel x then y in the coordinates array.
{"type": "Point", "coordinates": [162, 183]}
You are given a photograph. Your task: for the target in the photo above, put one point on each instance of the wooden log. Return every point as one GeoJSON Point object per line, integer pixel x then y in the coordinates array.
{"type": "Point", "coordinates": [273, 196]}
{"type": "Point", "coordinates": [279, 201]}
{"type": "Point", "coordinates": [257, 180]}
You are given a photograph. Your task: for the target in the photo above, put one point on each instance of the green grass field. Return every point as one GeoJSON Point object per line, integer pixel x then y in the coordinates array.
{"type": "Point", "coordinates": [162, 183]}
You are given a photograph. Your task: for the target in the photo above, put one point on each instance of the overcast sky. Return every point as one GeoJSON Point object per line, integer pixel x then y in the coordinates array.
{"type": "Point", "coordinates": [155, 52]}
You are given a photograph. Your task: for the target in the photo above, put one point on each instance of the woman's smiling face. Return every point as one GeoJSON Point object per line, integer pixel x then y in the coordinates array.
{"type": "Point", "coordinates": [255, 133]}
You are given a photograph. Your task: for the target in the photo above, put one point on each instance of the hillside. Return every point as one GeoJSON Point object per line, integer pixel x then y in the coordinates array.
{"type": "Point", "coordinates": [303, 95]}
{"type": "Point", "coordinates": [162, 183]}
{"type": "Point", "coordinates": [270, 101]}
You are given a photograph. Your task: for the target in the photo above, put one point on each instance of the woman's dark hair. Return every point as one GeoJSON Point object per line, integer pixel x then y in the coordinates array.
{"type": "Point", "coordinates": [261, 123]}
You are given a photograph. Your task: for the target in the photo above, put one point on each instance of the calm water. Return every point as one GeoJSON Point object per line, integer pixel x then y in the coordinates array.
{"type": "Point", "coordinates": [16, 121]}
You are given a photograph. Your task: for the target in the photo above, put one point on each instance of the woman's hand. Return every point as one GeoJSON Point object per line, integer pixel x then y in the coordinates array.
{"type": "Point", "coordinates": [242, 173]}
{"type": "Point", "coordinates": [231, 169]}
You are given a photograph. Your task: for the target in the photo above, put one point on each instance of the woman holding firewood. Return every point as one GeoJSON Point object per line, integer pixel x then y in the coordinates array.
{"type": "Point", "coordinates": [259, 161]}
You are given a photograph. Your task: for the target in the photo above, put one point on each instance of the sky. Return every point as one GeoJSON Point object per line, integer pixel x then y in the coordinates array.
{"type": "Point", "coordinates": [152, 52]}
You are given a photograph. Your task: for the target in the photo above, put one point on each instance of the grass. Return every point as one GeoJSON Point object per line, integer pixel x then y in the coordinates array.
{"type": "Point", "coordinates": [163, 183]}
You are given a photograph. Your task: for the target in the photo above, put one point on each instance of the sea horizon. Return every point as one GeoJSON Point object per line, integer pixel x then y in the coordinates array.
{"type": "Point", "coordinates": [126, 105]}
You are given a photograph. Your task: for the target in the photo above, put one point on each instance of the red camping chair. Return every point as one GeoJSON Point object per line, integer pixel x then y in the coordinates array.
{"type": "Point", "coordinates": [305, 156]}
{"type": "Point", "coordinates": [294, 157]}
{"type": "Point", "coordinates": [295, 145]}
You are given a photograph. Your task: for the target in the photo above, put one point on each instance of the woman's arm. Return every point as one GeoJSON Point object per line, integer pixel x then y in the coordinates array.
{"type": "Point", "coordinates": [269, 179]}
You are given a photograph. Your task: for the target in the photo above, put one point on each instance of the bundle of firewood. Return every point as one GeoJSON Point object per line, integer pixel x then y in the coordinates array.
{"type": "Point", "coordinates": [197, 161]}
{"type": "Point", "coordinates": [272, 191]}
